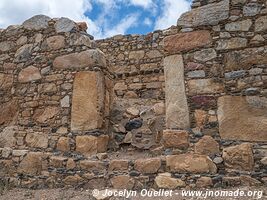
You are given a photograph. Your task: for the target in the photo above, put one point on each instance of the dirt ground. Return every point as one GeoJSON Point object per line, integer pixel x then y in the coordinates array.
{"type": "Point", "coordinates": [71, 194]}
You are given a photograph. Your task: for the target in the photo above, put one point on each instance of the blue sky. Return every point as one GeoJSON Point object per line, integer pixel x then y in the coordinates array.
{"type": "Point", "coordinates": [105, 18]}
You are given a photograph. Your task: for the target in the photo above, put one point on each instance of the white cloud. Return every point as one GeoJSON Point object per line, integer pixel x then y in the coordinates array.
{"type": "Point", "coordinates": [148, 22]}
{"type": "Point", "coordinates": [172, 10]}
{"type": "Point", "coordinates": [142, 3]}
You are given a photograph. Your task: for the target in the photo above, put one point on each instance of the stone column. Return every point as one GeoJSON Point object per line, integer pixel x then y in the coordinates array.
{"type": "Point", "coordinates": [177, 114]}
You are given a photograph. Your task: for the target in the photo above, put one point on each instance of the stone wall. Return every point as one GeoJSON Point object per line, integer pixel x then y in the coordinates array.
{"type": "Point", "coordinates": [188, 107]}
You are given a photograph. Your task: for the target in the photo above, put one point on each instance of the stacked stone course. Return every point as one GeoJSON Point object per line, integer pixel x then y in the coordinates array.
{"type": "Point", "coordinates": [198, 89]}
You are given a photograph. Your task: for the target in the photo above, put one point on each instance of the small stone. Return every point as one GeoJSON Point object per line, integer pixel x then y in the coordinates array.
{"type": "Point", "coordinates": [118, 165]}
{"type": "Point", "coordinates": [159, 108]}
{"type": "Point", "coordinates": [43, 115]}
{"type": "Point", "coordinates": [64, 25]}
{"type": "Point", "coordinates": [165, 181]}
{"type": "Point", "coordinates": [255, 71]}
{"type": "Point", "coordinates": [130, 95]}
{"type": "Point", "coordinates": [133, 111]}
{"type": "Point", "coordinates": [196, 74]}
{"type": "Point", "coordinates": [29, 74]}
{"type": "Point", "coordinates": [233, 43]}
{"type": "Point", "coordinates": [147, 165]}
{"type": "Point", "coordinates": [6, 152]}
{"type": "Point", "coordinates": [200, 118]}
{"type": "Point", "coordinates": [37, 22]}
{"type": "Point", "coordinates": [87, 145]}
{"type": "Point", "coordinates": [175, 139]}
{"type": "Point", "coordinates": [63, 144]}
{"type": "Point", "coordinates": [73, 180]}
{"type": "Point", "coordinates": [205, 55]}
{"type": "Point", "coordinates": [122, 182]}
{"type": "Point", "coordinates": [6, 46]}
{"type": "Point", "coordinates": [204, 86]}
{"type": "Point", "coordinates": [234, 74]}
{"type": "Point", "coordinates": [261, 24]}
{"type": "Point", "coordinates": [264, 161]}
{"type": "Point", "coordinates": [239, 26]}
{"type": "Point", "coordinates": [137, 55]}
{"type": "Point", "coordinates": [239, 157]}
{"type": "Point", "coordinates": [207, 146]}
{"type": "Point", "coordinates": [252, 91]}
{"type": "Point", "coordinates": [38, 140]}
{"type": "Point", "coordinates": [218, 160]}
{"type": "Point", "coordinates": [45, 70]}
{"type": "Point", "coordinates": [134, 124]}
{"type": "Point", "coordinates": [204, 182]}
{"type": "Point", "coordinates": [65, 102]}
{"type": "Point", "coordinates": [55, 42]}
{"type": "Point", "coordinates": [23, 54]}
{"type": "Point", "coordinates": [251, 9]}
{"type": "Point", "coordinates": [31, 164]}
{"type": "Point", "coordinates": [128, 138]}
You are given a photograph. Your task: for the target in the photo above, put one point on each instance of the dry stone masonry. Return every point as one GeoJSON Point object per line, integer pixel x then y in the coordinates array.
{"type": "Point", "coordinates": [181, 107]}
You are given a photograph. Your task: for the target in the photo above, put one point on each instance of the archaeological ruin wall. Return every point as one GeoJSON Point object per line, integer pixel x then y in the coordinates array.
{"type": "Point", "coordinates": [181, 107]}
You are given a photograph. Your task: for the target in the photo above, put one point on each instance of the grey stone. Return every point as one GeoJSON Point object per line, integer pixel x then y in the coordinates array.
{"type": "Point", "coordinates": [218, 160]}
{"type": "Point", "coordinates": [205, 55]}
{"type": "Point", "coordinates": [210, 14]}
{"type": "Point", "coordinates": [239, 26]}
{"type": "Point", "coordinates": [251, 9]}
{"type": "Point", "coordinates": [233, 43]}
{"type": "Point", "coordinates": [255, 71]}
{"type": "Point", "coordinates": [177, 113]}
{"type": "Point", "coordinates": [37, 22]}
{"type": "Point", "coordinates": [23, 53]}
{"type": "Point", "coordinates": [235, 2]}
{"type": "Point", "coordinates": [63, 25]}
{"type": "Point", "coordinates": [7, 137]}
{"type": "Point", "coordinates": [252, 91]}
{"type": "Point", "coordinates": [234, 74]}
{"type": "Point", "coordinates": [6, 152]}
{"type": "Point", "coordinates": [196, 74]}
{"type": "Point", "coordinates": [261, 24]}
{"type": "Point", "coordinates": [264, 161]}
{"type": "Point", "coordinates": [6, 46]}
{"type": "Point", "coordinates": [65, 102]}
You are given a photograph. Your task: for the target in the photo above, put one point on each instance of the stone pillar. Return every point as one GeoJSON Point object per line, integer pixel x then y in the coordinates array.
{"type": "Point", "coordinates": [88, 101]}
{"type": "Point", "coordinates": [177, 114]}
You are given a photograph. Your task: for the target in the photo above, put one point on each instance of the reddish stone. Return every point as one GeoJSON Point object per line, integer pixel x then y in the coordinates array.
{"type": "Point", "coordinates": [82, 26]}
{"type": "Point", "coordinates": [194, 66]}
{"type": "Point", "coordinates": [203, 101]}
{"type": "Point", "coordinates": [186, 41]}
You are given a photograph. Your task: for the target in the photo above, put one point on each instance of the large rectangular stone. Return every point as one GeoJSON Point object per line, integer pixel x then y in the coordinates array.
{"type": "Point", "coordinates": [177, 114]}
{"type": "Point", "coordinates": [88, 101]}
{"type": "Point", "coordinates": [88, 58]}
{"type": "Point", "coordinates": [210, 14]}
{"type": "Point", "coordinates": [245, 59]}
{"type": "Point", "coordinates": [243, 118]}
{"type": "Point", "coordinates": [186, 41]}
{"type": "Point", "coordinates": [204, 86]}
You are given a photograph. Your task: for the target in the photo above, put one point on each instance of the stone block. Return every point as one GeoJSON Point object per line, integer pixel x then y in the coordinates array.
{"type": "Point", "coordinates": [88, 101]}
{"type": "Point", "coordinates": [147, 165]}
{"type": "Point", "coordinates": [177, 113]}
{"type": "Point", "coordinates": [243, 118]}
{"type": "Point", "coordinates": [186, 41]}
{"type": "Point", "coordinates": [165, 181]}
{"type": "Point", "coordinates": [29, 74]}
{"type": "Point", "coordinates": [31, 164]}
{"type": "Point", "coordinates": [175, 139]}
{"type": "Point", "coordinates": [204, 86]}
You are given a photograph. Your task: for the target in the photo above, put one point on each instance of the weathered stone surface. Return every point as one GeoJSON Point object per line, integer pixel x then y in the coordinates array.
{"type": "Point", "coordinates": [9, 112]}
{"type": "Point", "coordinates": [159, 108]}
{"type": "Point", "coordinates": [165, 181]}
{"type": "Point", "coordinates": [88, 101]}
{"type": "Point", "coordinates": [177, 114]}
{"type": "Point", "coordinates": [65, 102]}
{"type": "Point", "coordinates": [203, 86]}
{"type": "Point", "coordinates": [43, 115]}
{"type": "Point", "coordinates": [6, 81]}
{"type": "Point", "coordinates": [92, 166]}
{"type": "Point", "coordinates": [63, 144]}
{"type": "Point", "coordinates": [73, 180]}
{"type": "Point", "coordinates": [210, 14]}
{"type": "Point", "coordinates": [23, 53]}
{"type": "Point", "coordinates": [147, 165]}
{"type": "Point", "coordinates": [204, 182]}
{"type": "Point", "coordinates": [233, 43]}
{"type": "Point", "coordinates": [118, 165]}
{"type": "Point", "coordinates": [244, 59]}
{"type": "Point", "coordinates": [239, 25]}
{"type": "Point", "coordinates": [196, 74]}
{"type": "Point", "coordinates": [192, 163]}
{"type": "Point", "coordinates": [205, 55]}
{"type": "Point", "coordinates": [251, 9]}
{"type": "Point", "coordinates": [200, 118]}
{"type": "Point", "coordinates": [243, 118]}
{"type": "Point", "coordinates": [207, 146]}
{"type": "Point", "coordinates": [175, 139]}
{"type": "Point", "coordinates": [7, 137]}
{"type": "Point", "coordinates": [6, 46]}
{"type": "Point", "coordinates": [102, 143]}
{"type": "Point", "coordinates": [31, 164]}
{"type": "Point", "coordinates": [261, 24]}
{"type": "Point", "coordinates": [87, 145]}
{"type": "Point", "coordinates": [63, 25]}
{"type": "Point", "coordinates": [88, 58]}
{"type": "Point", "coordinates": [29, 74]}
{"type": "Point", "coordinates": [186, 41]}
{"type": "Point", "coordinates": [39, 140]}
{"type": "Point", "coordinates": [122, 182]}
{"type": "Point", "coordinates": [36, 22]}
{"type": "Point", "coordinates": [234, 74]}
{"type": "Point", "coordinates": [239, 157]}
{"type": "Point", "coordinates": [154, 54]}
{"type": "Point", "coordinates": [137, 54]}
{"type": "Point", "coordinates": [55, 42]}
